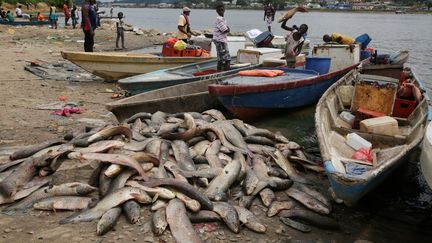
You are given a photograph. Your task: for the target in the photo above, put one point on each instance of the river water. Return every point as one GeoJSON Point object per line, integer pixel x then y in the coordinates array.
{"type": "Point", "coordinates": [404, 198]}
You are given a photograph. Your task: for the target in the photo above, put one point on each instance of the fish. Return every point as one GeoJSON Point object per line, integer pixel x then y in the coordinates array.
{"type": "Point", "coordinates": [131, 209]}
{"type": "Point", "coordinates": [259, 140]}
{"type": "Point", "coordinates": [109, 201]}
{"type": "Point", "coordinates": [167, 128]}
{"type": "Point", "coordinates": [120, 180]}
{"type": "Point", "coordinates": [10, 164]}
{"type": "Point", "coordinates": [200, 148]}
{"type": "Point", "coordinates": [146, 157]}
{"type": "Point", "coordinates": [260, 149]}
{"type": "Point", "coordinates": [260, 169]}
{"type": "Point", "coordinates": [182, 156]}
{"type": "Point", "coordinates": [310, 217]}
{"type": "Point", "coordinates": [67, 189]}
{"type": "Point", "coordinates": [119, 159]}
{"type": "Point", "coordinates": [32, 186]}
{"type": "Point", "coordinates": [104, 182]}
{"type": "Point", "coordinates": [101, 146]}
{"type": "Point", "coordinates": [195, 140]}
{"type": "Point", "coordinates": [94, 177]}
{"type": "Point", "coordinates": [158, 204]}
{"type": "Point", "coordinates": [315, 194]}
{"type": "Point", "coordinates": [278, 172]}
{"type": "Point", "coordinates": [288, 146]}
{"type": "Point", "coordinates": [232, 134]}
{"type": "Point", "coordinates": [277, 206]}
{"type": "Point", "coordinates": [246, 201]}
{"type": "Point", "coordinates": [140, 115]}
{"type": "Point", "coordinates": [113, 170]}
{"type": "Point", "coordinates": [108, 220]}
{"type": "Point", "coordinates": [251, 181]}
{"type": "Point", "coordinates": [106, 133]}
{"type": "Point", "coordinates": [182, 187]}
{"type": "Point", "coordinates": [159, 221]}
{"type": "Point", "coordinates": [164, 152]}
{"type": "Point", "coordinates": [212, 154]}
{"type": "Point", "coordinates": [181, 228]}
{"type": "Point", "coordinates": [188, 134]}
{"type": "Point", "coordinates": [249, 220]}
{"type": "Point", "coordinates": [191, 204]}
{"type": "Point", "coordinates": [221, 183]}
{"type": "Point", "coordinates": [220, 134]}
{"type": "Point", "coordinates": [137, 125]}
{"type": "Point", "coordinates": [267, 196]}
{"type": "Point", "coordinates": [284, 164]}
{"type": "Point", "coordinates": [228, 214]}
{"type": "Point", "coordinates": [18, 178]}
{"type": "Point", "coordinates": [204, 216]}
{"type": "Point", "coordinates": [308, 201]}
{"type": "Point", "coordinates": [215, 114]}
{"type": "Point", "coordinates": [161, 192]}
{"type": "Point", "coordinates": [64, 203]}
{"type": "Point", "coordinates": [32, 149]}
{"type": "Point", "coordinates": [295, 225]}
{"type": "Point", "coordinates": [242, 173]}
{"type": "Point", "coordinates": [159, 117]}
{"type": "Point", "coordinates": [138, 146]}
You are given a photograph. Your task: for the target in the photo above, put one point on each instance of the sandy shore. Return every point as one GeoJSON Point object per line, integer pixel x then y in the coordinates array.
{"type": "Point", "coordinates": [22, 124]}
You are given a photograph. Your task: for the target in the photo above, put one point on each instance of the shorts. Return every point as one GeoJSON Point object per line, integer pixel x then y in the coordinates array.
{"type": "Point", "coordinates": [269, 21]}
{"type": "Point", "coordinates": [222, 51]}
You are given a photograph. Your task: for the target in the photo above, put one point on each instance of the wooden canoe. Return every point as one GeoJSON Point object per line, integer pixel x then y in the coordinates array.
{"type": "Point", "coordinates": [117, 65]}
{"type": "Point", "coordinates": [178, 75]}
{"type": "Point", "coordinates": [390, 151]}
{"type": "Point", "coordinates": [426, 156]}
{"type": "Point", "coordinates": [178, 98]}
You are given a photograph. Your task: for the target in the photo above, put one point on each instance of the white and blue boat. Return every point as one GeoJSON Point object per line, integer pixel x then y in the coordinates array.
{"type": "Point", "coordinates": [390, 151]}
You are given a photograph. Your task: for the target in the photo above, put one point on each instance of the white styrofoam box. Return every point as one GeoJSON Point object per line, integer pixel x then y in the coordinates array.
{"type": "Point", "coordinates": [257, 55]}
{"type": "Point", "coordinates": [341, 56]}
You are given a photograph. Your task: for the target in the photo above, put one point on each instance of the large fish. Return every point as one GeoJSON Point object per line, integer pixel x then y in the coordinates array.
{"type": "Point", "coordinates": [184, 188]}
{"type": "Point", "coordinates": [204, 216]}
{"type": "Point", "coordinates": [311, 218]}
{"type": "Point", "coordinates": [131, 209]}
{"type": "Point", "coordinates": [109, 201]}
{"type": "Point", "coordinates": [232, 134]}
{"type": "Point", "coordinates": [119, 159]}
{"type": "Point", "coordinates": [32, 149]}
{"type": "Point", "coordinates": [221, 183]}
{"type": "Point", "coordinates": [212, 154]}
{"type": "Point", "coordinates": [109, 132]}
{"type": "Point", "coordinates": [181, 153]}
{"type": "Point", "coordinates": [282, 162]}
{"type": "Point", "coordinates": [140, 115]}
{"type": "Point", "coordinates": [67, 189]}
{"type": "Point", "coordinates": [228, 214]}
{"type": "Point", "coordinates": [11, 184]}
{"type": "Point", "coordinates": [308, 201]}
{"type": "Point", "coordinates": [277, 206]}
{"type": "Point", "coordinates": [181, 228]}
{"type": "Point", "coordinates": [295, 225]}
{"type": "Point", "coordinates": [159, 221]}
{"type": "Point", "coordinates": [101, 146]}
{"type": "Point", "coordinates": [108, 220]}
{"type": "Point", "coordinates": [247, 218]}
{"type": "Point", "coordinates": [188, 134]}
{"type": "Point", "coordinates": [63, 203]}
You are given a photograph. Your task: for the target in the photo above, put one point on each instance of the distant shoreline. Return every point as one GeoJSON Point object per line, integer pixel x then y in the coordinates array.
{"type": "Point", "coordinates": [310, 10]}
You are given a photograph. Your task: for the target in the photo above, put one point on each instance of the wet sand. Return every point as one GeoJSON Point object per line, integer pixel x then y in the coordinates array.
{"type": "Point", "coordinates": [376, 219]}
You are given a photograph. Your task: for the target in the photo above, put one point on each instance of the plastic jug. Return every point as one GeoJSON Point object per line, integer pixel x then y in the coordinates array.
{"type": "Point", "coordinates": [356, 142]}
{"type": "Point", "coordinates": [347, 117]}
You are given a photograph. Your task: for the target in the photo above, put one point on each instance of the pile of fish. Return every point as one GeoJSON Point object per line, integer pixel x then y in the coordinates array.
{"type": "Point", "coordinates": [186, 167]}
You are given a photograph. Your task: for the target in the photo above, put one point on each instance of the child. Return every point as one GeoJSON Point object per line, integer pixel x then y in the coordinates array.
{"type": "Point", "coordinates": [220, 40]}
{"type": "Point", "coordinates": [120, 30]}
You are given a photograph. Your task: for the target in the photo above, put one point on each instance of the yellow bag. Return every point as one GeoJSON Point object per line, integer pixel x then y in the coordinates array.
{"type": "Point", "coordinates": [180, 45]}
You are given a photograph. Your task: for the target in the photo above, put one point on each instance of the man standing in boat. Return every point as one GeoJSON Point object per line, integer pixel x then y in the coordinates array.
{"type": "Point", "coordinates": [88, 24]}
{"type": "Point", "coordinates": [269, 14]}
{"type": "Point", "coordinates": [184, 30]}
{"type": "Point", "coordinates": [220, 39]}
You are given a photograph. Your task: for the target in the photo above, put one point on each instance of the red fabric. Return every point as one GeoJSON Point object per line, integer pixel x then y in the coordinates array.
{"type": "Point", "coordinates": [363, 155]}
{"type": "Point", "coordinates": [68, 111]}
{"type": "Point", "coordinates": [206, 72]}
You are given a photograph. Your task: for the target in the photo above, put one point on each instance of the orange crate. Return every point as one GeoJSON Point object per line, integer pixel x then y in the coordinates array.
{"type": "Point", "coordinates": [176, 53]}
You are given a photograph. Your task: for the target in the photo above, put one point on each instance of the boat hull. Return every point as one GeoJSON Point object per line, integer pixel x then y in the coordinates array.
{"type": "Point", "coordinates": [115, 65]}
{"type": "Point", "coordinates": [248, 102]}
{"type": "Point", "coordinates": [426, 156]}
{"type": "Point", "coordinates": [173, 99]}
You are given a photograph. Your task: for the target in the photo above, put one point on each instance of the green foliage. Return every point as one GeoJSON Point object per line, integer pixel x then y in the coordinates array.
{"type": "Point", "coordinates": [34, 2]}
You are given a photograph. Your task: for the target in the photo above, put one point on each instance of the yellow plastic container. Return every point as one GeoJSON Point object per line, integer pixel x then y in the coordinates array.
{"type": "Point", "coordinates": [380, 125]}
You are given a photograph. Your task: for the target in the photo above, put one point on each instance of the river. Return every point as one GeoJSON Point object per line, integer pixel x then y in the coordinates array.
{"type": "Point", "coordinates": [403, 203]}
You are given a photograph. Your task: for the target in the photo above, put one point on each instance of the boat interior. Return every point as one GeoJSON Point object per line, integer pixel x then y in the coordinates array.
{"type": "Point", "coordinates": [203, 68]}
{"type": "Point", "coordinates": [386, 149]}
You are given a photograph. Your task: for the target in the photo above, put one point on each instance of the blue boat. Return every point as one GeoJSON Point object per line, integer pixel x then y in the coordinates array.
{"type": "Point", "coordinates": [251, 97]}
{"type": "Point", "coordinates": [350, 178]}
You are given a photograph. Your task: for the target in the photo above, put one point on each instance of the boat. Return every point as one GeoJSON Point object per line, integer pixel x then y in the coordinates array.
{"type": "Point", "coordinates": [387, 70]}
{"type": "Point", "coordinates": [178, 98]}
{"type": "Point", "coordinates": [117, 65]}
{"type": "Point", "coordinates": [426, 156]}
{"type": "Point", "coordinates": [250, 97]}
{"type": "Point", "coordinates": [24, 22]}
{"type": "Point", "coordinates": [388, 150]}
{"type": "Point", "coordinates": [178, 75]}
